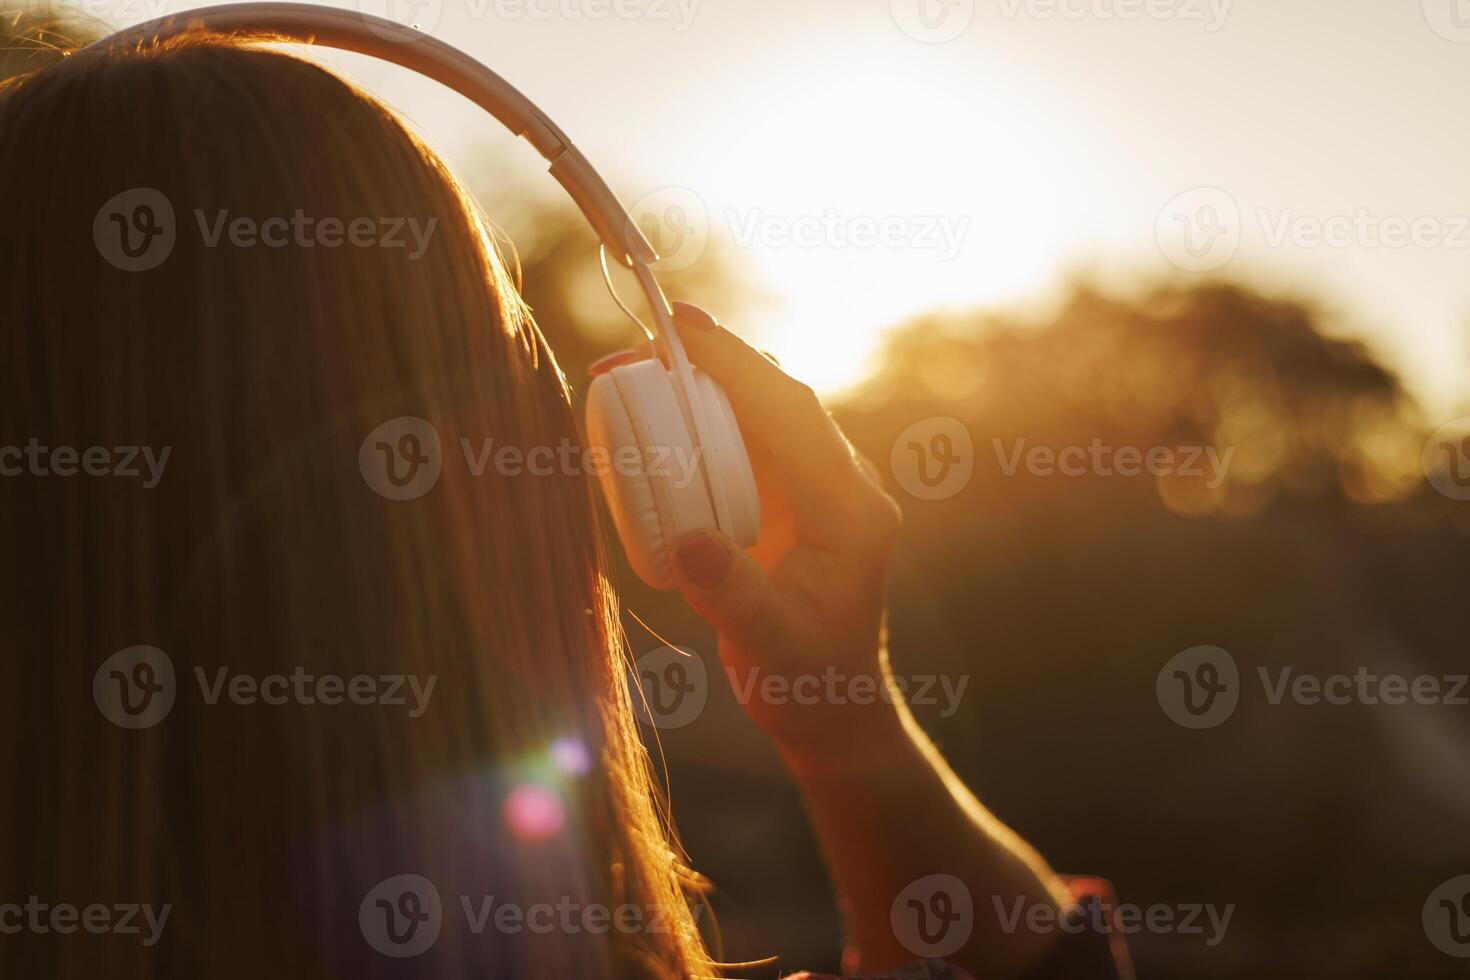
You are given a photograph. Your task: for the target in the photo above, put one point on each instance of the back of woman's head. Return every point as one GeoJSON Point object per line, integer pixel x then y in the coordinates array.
{"type": "Point", "coordinates": [247, 318]}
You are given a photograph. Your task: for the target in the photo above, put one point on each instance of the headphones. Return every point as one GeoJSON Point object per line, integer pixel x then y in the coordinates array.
{"type": "Point", "coordinates": [692, 470]}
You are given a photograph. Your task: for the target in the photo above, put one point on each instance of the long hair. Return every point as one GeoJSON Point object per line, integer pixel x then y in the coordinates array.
{"type": "Point", "coordinates": [281, 627]}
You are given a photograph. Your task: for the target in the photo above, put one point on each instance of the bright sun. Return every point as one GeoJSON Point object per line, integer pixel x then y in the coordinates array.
{"type": "Point", "coordinates": [867, 199]}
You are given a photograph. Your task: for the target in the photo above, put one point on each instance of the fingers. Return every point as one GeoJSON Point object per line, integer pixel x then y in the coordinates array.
{"type": "Point", "coordinates": [841, 506]}
{"type": "Point", "coordinates": [605, 364]}
{"type": "Point", "coordinates": [728, 589]}
{"type": "Point", "coordinates": [774, 409]}
{"type": "Point", "coordinates": [641, 353]}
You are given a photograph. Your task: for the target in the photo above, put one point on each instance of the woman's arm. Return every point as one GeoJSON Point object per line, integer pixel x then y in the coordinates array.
{"type": "Point", "coordinates": [803, 612]}
{"type": "Point", "coordinates": [890, 813]}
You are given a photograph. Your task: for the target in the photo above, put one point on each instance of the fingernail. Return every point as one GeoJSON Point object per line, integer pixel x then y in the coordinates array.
{"type": "Point", "coordinates": [693, 316]}
{"type": "Point", "coordinates": [703, 560]}
{"type": "Point", "coordinates": [606, 364]}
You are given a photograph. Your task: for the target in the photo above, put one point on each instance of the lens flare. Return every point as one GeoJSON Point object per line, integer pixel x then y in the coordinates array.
{"type": "Point", "coordinates": [534, 812]}
{"type": "Point", "coordinates": [571, 757]}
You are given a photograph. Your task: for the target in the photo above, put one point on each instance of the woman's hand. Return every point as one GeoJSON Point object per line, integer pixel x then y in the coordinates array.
{"type": "Point", "coordinates": [800, 618]}
{"type": "Point", "coordinates": [806, 607]}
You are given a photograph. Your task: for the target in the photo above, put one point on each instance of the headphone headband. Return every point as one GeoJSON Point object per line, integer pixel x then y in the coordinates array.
{"type": "Point", "coordinates": [367, 34]}
{"type": "Point", "coordinates": [306, 23]}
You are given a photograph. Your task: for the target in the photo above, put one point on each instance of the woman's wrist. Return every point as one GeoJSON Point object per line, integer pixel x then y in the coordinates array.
{"type": "Point", "coordinates": [858, 741]}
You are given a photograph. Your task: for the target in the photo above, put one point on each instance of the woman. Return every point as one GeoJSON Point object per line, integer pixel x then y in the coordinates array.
{"type": "Point", "coordinates": [209, 718]}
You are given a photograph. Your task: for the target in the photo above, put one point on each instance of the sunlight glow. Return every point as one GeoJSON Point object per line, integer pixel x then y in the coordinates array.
{"type": "Point", "coordinates": [856, 225]}
{"type": "Point", "coordinates": [1061, 140]}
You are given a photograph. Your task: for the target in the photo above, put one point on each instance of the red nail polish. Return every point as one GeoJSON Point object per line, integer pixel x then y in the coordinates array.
{"type": "Point", "coordinates": [692, 316]}
{"type": "Point", "coordinates": [606, 364]}
{"type": "Point", "coordinates": [704, 561]}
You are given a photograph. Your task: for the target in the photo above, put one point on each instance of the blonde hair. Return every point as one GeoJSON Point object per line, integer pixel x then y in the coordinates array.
{"type": "Point", "coordinates": [264, 549]}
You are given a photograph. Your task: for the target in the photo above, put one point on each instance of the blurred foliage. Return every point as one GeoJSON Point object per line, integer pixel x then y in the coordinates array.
{"type": "Point", "coordinates": [1311, 418]}
{"type": "Point", "coordinates": [555, 256]}
{"type": "Point", "coordinates": [1324, 549]}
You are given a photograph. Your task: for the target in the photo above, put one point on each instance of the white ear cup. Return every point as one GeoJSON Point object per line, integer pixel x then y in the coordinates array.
{"type": "Point", "coordinates": [659, 482]}
{"type": "Point", "coordinates": [727, 463]}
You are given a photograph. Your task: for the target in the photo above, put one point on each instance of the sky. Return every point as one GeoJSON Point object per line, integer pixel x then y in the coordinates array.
{"type": "Point", "coordinates": [874, 159]}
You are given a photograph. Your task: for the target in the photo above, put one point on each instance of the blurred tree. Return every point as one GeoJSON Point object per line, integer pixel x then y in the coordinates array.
{"type": "Point", "coordinates": [557, 255]}
{"type": "Point", "coordinates": [1061, 597]}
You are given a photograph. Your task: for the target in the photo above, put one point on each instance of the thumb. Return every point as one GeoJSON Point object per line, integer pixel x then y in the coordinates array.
{"type": "Point", "coordinates": [727, 587]}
